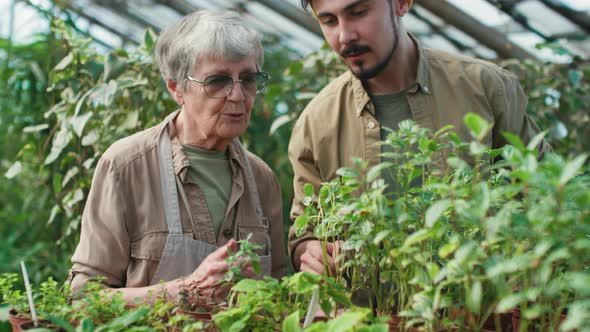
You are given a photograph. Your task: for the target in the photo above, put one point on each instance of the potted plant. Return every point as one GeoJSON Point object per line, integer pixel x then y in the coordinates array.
{"type": "Point", "coordinates": [263, 305]}
{"type": "Point", "coordinates": [48, 298]}
{"type": "Point", "coordinates": [381, 235]}
{"type": "Point", "coordinates": [466, 248]}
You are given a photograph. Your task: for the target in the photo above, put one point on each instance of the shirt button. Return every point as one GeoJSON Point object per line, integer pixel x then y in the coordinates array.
{"type": "Point", "coordinates": [371, 125]}
{"type": "Point", "coordinates": [227, 233]}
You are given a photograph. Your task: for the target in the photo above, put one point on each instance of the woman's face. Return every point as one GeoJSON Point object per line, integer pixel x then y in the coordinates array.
{"type": "Point", "coordinates": [218, 119]}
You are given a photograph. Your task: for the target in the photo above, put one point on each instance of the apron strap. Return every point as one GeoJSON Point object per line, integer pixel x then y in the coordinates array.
{"type": "Point", "coordinates": [168, 179]}
{"type": "Point", "coordinates": [250, 181]}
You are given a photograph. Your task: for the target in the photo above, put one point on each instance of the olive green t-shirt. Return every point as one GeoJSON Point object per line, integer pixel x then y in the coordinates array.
{"type": "Point", "coordinates": [390, 110]}
{"type": "Point", "coordinates": [211, 171]}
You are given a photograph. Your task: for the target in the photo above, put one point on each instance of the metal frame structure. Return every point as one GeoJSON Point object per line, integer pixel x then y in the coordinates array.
{"type": "Point", "coordinates": [438, 21]}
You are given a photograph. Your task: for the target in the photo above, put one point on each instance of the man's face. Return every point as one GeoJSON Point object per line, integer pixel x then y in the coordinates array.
{"type": "Point", "coordinates": [363, 32]}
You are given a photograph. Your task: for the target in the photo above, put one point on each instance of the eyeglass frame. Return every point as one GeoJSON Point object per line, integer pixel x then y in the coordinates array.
{"type": "Point", "coordinates": [233, 82]}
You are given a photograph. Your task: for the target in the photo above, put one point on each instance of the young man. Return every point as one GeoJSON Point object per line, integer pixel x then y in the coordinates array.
{"type": "Point", "coordinates": [391, 78]}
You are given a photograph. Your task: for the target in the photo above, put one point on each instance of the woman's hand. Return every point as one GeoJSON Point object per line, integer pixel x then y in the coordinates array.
{"type": "Point", "coordinates": [208, 277]}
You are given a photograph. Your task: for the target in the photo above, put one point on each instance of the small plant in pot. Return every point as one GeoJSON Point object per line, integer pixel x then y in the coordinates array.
{"type": "Point", "coordinates": [385, 245]}
{"type": "Point", "coordinates": [521, 238]}
{"type": "Point", "coordinates": [16, 300]}
{"type": "Point", "coordinates": [49, 299]}
{"type": "Point", "coordinates": [264, 305]}
{"type": "Point", "coordinates": [467, 248]}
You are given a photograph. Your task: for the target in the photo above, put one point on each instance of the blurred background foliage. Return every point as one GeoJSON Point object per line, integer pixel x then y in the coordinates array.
{"type": "Point", "coordinates": [63, 103]}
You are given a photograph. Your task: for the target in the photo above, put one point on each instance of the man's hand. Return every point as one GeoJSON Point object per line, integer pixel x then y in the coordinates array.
{"type": "Point", "coordinates": [312, 259]}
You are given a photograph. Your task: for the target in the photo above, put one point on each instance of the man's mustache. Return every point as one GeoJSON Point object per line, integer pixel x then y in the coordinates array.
{"type": "Point", "coordinates": [354, 49]}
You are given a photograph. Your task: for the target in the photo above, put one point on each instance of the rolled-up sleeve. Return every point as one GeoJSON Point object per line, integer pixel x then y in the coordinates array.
{"type": "Point", "coordinates": [272, 206]}
{"type": "Point", "coordinates": [304, 171]}
{"type": "Point", "coordinates": [510, 103]}
{"type": "Point", "coordinates": [103, 250]}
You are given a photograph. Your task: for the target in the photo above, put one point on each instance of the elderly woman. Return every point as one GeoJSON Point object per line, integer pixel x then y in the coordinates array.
{"type": "Point", "coordinates": [166, 203]}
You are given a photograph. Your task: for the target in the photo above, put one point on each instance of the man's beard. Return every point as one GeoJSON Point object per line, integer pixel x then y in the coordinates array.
{"type": "Point", "coordinates": [369, 73]}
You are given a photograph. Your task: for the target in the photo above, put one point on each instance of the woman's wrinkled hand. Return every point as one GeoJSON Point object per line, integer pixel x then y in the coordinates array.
{"type": "Point", "coordinates": [208, 277]}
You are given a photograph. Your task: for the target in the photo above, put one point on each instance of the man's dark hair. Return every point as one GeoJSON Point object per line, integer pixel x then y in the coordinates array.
{"type": "Point", "coordinates": [306, 3]}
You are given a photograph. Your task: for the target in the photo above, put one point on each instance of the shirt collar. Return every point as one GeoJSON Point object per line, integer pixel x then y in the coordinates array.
{"type": "Point", "coordinates": [180, 161]}
{"type": "Point", "coordinates": [361, 96]}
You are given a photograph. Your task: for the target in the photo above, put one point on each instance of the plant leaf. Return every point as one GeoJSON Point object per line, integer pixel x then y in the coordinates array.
{"type": "Point", "coordinates": [291, 323]}
{"type": "Point", "coordinates": [571, 169]}
{"type": "Point", "coordinates": [477, 125]}
{"type": "Point", "coordinates": [64, 62]}
{"type": "Point", "coordinates": [435, 211]}
{"type": "Point", "coordinates": [474, 300]}
{"type": "Point", "coordinates": [514, 140]}
{"type": "Point", "coordinates": [79, 122]}
{"type": "Point", "coordinates": [375, 171]}
{"type": "Point", "coordinates": [535, 141]}
{"type": "Point", "coordinates": [90, 138]}
{"type": "Point", "coordinates": [114, 66]}
{"type": "Point", "coordinates": [35, 129]}
{"type": "Point", "coordinates": [279, 122]}
{"type": "Point", "coordinates": [14, 170]}
{"type": "Point", "coordinates": [308, 189]}
{"type": "Point", "coordinates": [60, 141]}
{"type": "Point", "coordinates": [416, 237]}
{"type": "Point", "coordinates": [510, 302]}
{"type": "Point", "coordinates": [346, 322]}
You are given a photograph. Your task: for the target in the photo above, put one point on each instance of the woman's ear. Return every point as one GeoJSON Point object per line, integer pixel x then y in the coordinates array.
{"type": "Point", "coordinates": [175, 90]}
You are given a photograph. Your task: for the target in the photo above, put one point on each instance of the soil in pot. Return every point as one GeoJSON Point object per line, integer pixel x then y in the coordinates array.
{"type": "Point", "coordinates": [202, 312]}
{"type": "Point", "coordinates": [42, 323]}
{"type": "Point", "coordinates": [16, 320]}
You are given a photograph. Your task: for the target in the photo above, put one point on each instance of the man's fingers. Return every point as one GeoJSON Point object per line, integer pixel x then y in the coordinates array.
{"type": "Point", "coordinates": [310, 263]}
{"type": "Point", "coordinates": [330, 248]}
{"type": "Point", "coordinates": [311, 268]}
{"type": "Point", "coordinates": [316, 251]}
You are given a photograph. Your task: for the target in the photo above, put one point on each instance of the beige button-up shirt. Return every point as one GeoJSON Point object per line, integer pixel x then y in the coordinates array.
{"type": "Point", "coordinates": [124, 226]}
{"type": "Point", "coordinates": [339, 123]}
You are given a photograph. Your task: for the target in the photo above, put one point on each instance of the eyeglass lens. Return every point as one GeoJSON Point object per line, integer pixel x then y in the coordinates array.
{"type": "Point", "coordinates": [219, 86]}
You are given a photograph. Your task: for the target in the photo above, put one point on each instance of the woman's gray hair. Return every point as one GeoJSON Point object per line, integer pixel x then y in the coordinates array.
{"type": "Point", "coordinates": [201, 35]}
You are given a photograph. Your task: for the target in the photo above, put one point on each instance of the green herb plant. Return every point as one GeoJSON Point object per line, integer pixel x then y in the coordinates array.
{"type": "Point", "coordinates": [263, 305]}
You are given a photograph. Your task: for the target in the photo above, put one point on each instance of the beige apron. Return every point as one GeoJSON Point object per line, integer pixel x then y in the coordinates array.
{"type": "Point", "coordinates": [183, 254]}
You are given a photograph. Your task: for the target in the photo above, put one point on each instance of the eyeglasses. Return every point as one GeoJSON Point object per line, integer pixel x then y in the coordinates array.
{"type": "Point", "coordinates": [220, 86]}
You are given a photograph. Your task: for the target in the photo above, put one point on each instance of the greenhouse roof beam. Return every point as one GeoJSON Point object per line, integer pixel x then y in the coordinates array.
{"type": "Point", "coordinates": [508, 8]}
{"type": "Point", "coordinates": [459, 45]}
{"type": "Point", "coordinates": [581, 20]}
{"type": "Point", "coordinates": [122, 8]}
{"type": "Point", "coordinates": [294, 14]}
{"type": "Point", "coordinates": [93, 20]}
{"type": "Point", "coordinates": [488, 36]}
{"type": "Point", "coordinates": [182, 6]}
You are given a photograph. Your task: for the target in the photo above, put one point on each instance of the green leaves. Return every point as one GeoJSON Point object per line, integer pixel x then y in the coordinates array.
{"type": "Point", "coordinates": [114, 66]}
{"type": "Point", "coordinates": [478, 127]}
{"type": "Point", "coordinates": [571, 169]}
{"type": "Point", "coordinates": [308, 189]}
{"type": "Point", "coordinates": [475, 297]}
{"type": "Point", "coordinates": [14, 170]}
{"type": "Point", "coordinates": [435, 211]}
{"type": "Point", "coordinates": [65, 62]}
{"type": "Point", "coordinates": [60, 142]}
{"type": "Point", "coordinates": [149, 40]}
{"type": "Point", "coordinates": [291, 323]}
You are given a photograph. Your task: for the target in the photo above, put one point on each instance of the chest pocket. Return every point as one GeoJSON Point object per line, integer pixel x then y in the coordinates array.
{"type": "Point", "coordinates": [145, 253]}
{"type": "Point", "coordinates": [260, 236]}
